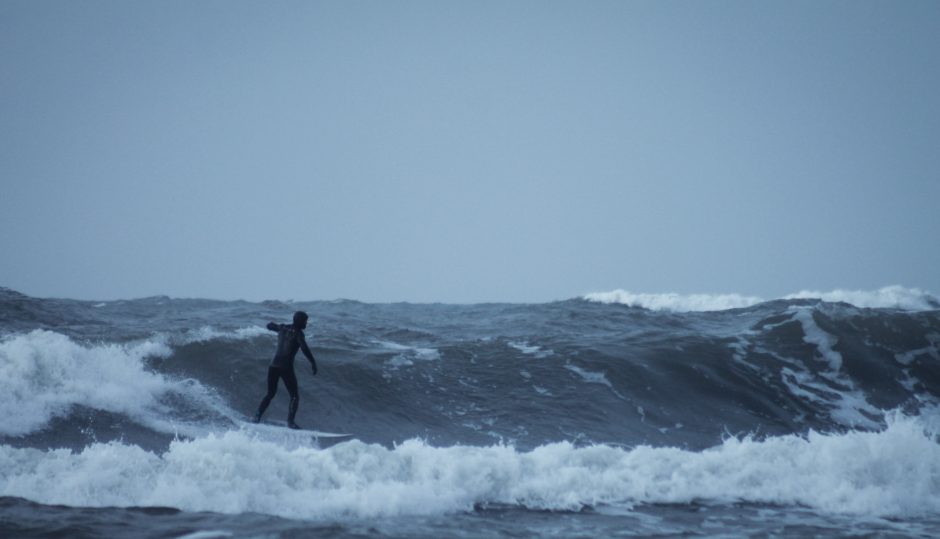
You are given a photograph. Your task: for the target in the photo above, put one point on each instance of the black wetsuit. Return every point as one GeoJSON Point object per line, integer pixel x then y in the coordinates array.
{"type": "Point", "coordinates": [289, 340]}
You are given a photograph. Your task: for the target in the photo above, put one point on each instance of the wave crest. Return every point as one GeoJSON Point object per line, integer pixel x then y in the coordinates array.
{"type": "Point", "coordinates": [675, 302]}
{"type": "Point", "coordinates": [889, 297]}
{"type": "Point", "coordinates": [44, 374]}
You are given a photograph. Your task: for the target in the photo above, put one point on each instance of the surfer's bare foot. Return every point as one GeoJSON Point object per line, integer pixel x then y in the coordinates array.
{"type": "Point", "coordinates": [256, 419]}
{"type": "Point", "coordinates": [293, 425]}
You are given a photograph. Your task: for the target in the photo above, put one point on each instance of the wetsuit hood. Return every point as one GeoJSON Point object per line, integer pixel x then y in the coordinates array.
{"type": "Point", "coordinates": [300, 319]}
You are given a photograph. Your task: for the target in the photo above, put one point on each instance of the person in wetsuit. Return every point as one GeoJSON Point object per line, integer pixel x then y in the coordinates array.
{"type": "Point", "coordinates": [290, 338]}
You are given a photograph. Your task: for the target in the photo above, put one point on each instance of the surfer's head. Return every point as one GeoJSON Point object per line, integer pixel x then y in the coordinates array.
{"type": "Point", "coordinates": [300, 320]}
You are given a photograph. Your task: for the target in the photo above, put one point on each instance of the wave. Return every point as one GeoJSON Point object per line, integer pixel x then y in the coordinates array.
{"type": "Point", "coordinates": [675, 302]}
{"type": "Point", "coordinates": [563, 373]}
{"type": "Point", "coordinates": [890, 297]}
{"type": "Point", "coordinates": [588, 405]}
{"type": "Point", "coordinates": [44, 375]}
{"type": "Point", "coordinates": [894, 472]}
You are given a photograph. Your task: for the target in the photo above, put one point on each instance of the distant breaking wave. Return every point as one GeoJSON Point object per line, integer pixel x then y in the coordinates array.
{"type": "Point", "coordinates": [676, 302]}
{"type": "Point", "coordinates": [889, 297]}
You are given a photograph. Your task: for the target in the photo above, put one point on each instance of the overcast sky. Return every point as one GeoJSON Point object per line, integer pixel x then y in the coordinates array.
{"type": "Point", "coordinates": [467, 151]}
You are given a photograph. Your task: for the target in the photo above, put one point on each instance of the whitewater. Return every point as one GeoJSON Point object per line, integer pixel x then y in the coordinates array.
{"type": "Point", "coordinates": [614, 414]}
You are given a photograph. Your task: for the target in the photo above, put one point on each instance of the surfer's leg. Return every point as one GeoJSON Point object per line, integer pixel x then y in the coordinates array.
{"type": "Point", "coordinates": [290, 381]}
{"type": "Point", "coordinates": [273, 374]}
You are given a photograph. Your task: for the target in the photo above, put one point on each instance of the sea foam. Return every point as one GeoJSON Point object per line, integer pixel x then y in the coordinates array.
{"type": "Point", "coordinates": [675, 302]}
{"type": "Point", "coordinates": [889, 297]}
{"type": "Point", "coordinates": [894, 472]}
{"type": "Point", "coordinates": [44, 374]}
{"type": "Point", "coordinates": [209, 333]}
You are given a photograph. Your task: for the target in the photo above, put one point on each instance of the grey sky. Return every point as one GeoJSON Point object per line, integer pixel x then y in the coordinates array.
{"type": "Point", "coordinates": [467, 151]}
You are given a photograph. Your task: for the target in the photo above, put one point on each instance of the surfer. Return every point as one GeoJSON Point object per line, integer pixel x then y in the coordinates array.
{"type": "Point", "coordinates": [290, 338]}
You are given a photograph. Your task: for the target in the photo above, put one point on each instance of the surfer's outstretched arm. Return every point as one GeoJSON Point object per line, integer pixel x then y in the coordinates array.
{"type": "Point", "coordinates": [274, 327]}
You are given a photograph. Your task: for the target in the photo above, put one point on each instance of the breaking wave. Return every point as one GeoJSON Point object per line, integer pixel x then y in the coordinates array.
{"type": "Point", "coordinates": [894, 472]}
{"type": "Point", "coordinates": [890, 297]}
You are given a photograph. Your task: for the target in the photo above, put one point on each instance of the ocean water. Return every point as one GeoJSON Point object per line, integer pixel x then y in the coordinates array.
{"type": "Point", "coordinates": [612, 415]}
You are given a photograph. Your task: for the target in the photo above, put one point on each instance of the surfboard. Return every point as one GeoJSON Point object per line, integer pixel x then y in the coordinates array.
{"type": "Point", "coordinates": [315, 433]}
{"type": "Point", "coordinates": [278, 431]}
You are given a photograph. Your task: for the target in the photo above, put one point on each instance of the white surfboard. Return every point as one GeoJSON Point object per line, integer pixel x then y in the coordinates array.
{"type": "Point", "coordinates": [277, 431]}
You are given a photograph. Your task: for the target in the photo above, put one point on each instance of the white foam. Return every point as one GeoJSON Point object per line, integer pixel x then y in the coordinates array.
{"type": "Point", "coordinates": [408, 354]}
{"type": "Point", "coordinates": [846, 406]}
{"type": "Point", "coordinates": [824, 342]}
{"type": "Point", "coordinates": [592, 377]}
{"type": "Point", "coordinates": [209, 534]}
{"type": "Point", "coordinates": [399, 361]}
{"type": "Point", "coordinates": [209, 333]}
{"type": "Point", "coordinates": [675, 302]}
{"type": "Point", "coordinates": [906, 358]}
{"type": "Point", "coordinates": [529, 350]}
{"type": "Point", "coordinates": [848, 403]}
{"type": "Point", "coordinates": [43, 374]}
{"type": "Point", "coordinates": [589, 376]}
{"type": "Point", "coordinates": [895, 472]}
{"type": "Point", "coordinates": [889, 297]}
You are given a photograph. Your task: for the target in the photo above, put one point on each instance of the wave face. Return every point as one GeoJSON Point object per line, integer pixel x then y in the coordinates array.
{"type": "Point", "coordinates": [559, 406]}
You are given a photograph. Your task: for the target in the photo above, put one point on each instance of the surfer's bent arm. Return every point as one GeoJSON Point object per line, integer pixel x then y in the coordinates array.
{"type": "Point", "coordinates": [274, 327]}
{"type": "Point", "coordinates": [306, 350]}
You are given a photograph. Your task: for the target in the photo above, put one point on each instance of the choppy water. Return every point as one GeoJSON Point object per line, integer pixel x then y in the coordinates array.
{"type": "Point", "coordinates": [622, 415]}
